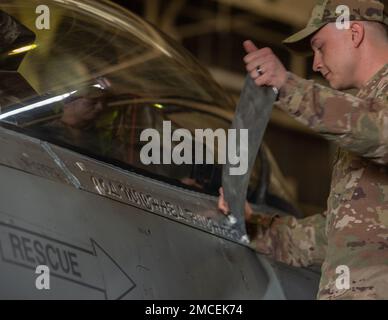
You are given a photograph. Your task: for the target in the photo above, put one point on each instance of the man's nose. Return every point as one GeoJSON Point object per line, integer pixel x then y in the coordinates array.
{"type": "Point", "coordinates": [317, 64]}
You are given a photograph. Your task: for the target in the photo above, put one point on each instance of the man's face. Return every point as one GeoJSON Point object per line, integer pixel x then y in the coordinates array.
{"type": "Point", "coordinates": [334, 56]}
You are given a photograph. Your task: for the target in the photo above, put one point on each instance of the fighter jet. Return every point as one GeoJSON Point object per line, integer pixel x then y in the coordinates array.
{"type": "Point", "coordinates": [82, 215]}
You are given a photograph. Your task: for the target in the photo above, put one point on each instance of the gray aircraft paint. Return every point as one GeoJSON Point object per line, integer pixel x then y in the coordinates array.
{"type": "Point", "coordinates": [121, 250]}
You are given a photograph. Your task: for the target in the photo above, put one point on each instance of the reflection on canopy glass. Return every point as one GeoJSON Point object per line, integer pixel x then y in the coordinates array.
{"type": "Point", "coordinates": [96, 78]}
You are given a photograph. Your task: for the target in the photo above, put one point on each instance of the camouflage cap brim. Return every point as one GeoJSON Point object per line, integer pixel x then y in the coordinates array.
{"type": "Point", "coordinates": [300, 42]}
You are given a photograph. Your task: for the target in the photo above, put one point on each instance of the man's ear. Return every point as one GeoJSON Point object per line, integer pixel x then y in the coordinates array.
{"type": "Point", "coordinates": [358, 33]}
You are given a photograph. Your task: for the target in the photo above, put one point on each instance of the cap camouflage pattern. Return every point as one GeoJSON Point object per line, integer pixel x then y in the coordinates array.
{"type": "Point", "coordinates": [325, 12]}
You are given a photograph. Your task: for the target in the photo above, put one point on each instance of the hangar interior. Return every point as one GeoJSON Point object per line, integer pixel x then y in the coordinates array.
{"type": "Point", "coordinates": [213, 31]}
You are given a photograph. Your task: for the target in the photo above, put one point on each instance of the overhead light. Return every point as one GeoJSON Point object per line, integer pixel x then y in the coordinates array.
{"type": "Point", "coordinates": [22, 49]}
{"type": "Point", "coordinates": [159, 106]}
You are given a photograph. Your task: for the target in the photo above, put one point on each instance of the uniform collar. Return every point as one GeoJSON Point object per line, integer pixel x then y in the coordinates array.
{"type": "Point", "coordinates": [377, 77]}
{"type": "Point", "coordinates": [369, 89]}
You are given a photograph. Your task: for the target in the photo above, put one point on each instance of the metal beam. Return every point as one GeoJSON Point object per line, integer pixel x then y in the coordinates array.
{"type": "Point", "coordinates": [295, 13]}
{"type": "Point", "coordinates": [151, 10]}
{"type": "Point", "coordinates": [169, 16]}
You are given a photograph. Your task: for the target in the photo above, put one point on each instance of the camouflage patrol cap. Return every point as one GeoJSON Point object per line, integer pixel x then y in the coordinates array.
{"type": "Point", "coordinates": [325, 12]}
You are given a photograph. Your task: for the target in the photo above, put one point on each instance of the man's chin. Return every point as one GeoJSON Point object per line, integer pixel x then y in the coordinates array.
{"type": "Point", "coordinates": [334, 86]}
{"type": "Point", "coordinates": [338, 86]}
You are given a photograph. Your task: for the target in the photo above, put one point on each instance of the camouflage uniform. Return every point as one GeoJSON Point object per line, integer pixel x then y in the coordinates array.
{"type": "Point", "coordinates": [353, 232]}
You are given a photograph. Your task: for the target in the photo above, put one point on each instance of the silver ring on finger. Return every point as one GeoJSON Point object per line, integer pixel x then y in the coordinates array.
{"type": "Point", "coordinates": [259, 71]}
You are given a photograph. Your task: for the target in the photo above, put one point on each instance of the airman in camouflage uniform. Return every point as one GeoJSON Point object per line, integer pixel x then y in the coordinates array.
{"type": "Point", "coordinates": [353, 231]}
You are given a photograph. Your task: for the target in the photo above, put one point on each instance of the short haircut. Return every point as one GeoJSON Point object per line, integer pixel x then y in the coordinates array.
{"type": "Point", "coordinates": [378, 28]}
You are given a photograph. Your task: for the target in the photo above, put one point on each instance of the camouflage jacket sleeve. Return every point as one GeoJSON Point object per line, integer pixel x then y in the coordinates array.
{"type": "Point", "coordinates": [296, 242]}
{"type": "Point", "coordinates": [358, 125]}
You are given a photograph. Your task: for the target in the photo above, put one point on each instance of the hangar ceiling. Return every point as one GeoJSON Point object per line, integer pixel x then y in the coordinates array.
{"type": "Point", "coordinates": [294, 13]}
{"type": "Point", "coordinates": [214, 29]}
